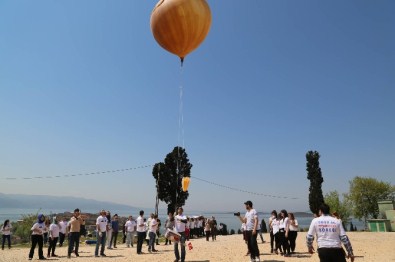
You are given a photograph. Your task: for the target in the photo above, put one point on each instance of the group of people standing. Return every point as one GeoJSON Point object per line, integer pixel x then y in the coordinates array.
{"type": "Point", "coordinates": [283, 232]}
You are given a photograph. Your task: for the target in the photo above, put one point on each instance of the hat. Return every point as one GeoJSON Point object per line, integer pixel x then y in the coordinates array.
{"type": "Point", "coordinates": [248, 203]}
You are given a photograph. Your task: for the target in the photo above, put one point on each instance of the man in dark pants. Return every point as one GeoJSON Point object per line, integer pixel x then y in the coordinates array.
{"type": "Point", "coordinates": [73, 229]}
{"type": "Point", "coordinates": [330, 236]}
{"type": "Point", "coordinates": [140, 232]}
{"type": "Point", "coordinates": [251, 221]}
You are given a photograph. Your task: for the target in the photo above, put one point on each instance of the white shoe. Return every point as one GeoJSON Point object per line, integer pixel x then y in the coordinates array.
{"type": "Point", "coordinates": [257, 259]}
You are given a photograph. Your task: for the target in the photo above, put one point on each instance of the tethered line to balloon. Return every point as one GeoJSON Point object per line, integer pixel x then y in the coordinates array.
{"type": "Point", "coordinates": [146, 166]}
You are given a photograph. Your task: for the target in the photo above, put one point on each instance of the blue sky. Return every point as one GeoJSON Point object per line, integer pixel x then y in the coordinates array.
{"type": "Point", "coordinates": [85, 88]}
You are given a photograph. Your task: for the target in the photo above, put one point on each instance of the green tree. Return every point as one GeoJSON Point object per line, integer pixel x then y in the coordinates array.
{"type": "Point", "coordinates": [342, 207]}
{"type": "Point", "coordinates": [22, 229]}
{"type": "Point", "coordinates": [364, 194]}
{"type": "Point", "coordinates": [168, 176]}
{"type": "Point", "coordinates": [314, 175]}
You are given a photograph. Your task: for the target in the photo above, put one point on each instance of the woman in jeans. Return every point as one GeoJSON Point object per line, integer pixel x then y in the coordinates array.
{"type": "Point", "coordinates": [6, 230]}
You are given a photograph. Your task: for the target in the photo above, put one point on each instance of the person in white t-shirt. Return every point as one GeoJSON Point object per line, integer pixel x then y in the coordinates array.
{"type": "Point", "coordinates": [284, 231]}
{"type": "Point", "coordinates": [37, 237]}
{"type": "Point", "coordinates": [53, 236]}
{"type": "Point", "coordinates": [130, 229]}
{"type": "Point", "coordinates": [101, 230]}
{"type": "Point", "coordinates": [251, 221]}
{"type": "Point", "coordinates": [62, 233]}
{"type": "Point", "coordinates": [272, 217]}
{"type": "Point", "coordinates": [153, 226]}
{"type": "Point", "coordinates": [140, 228]}
{"type": "Point", "coordinates": [6, 230]}
{"type": "Point", "coordinates": [293, 232]}
{"type": "Point", "coordinates": [275, 225]}
{"type": "Point", "coordinates": [330, 236]}
{"type": "Point", "coordinates": [180, 225]}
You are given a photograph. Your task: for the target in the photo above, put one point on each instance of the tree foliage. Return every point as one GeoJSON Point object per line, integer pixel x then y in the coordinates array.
{"type": "Point", "coordinates": [22, 229]}
{"type": "Point", "coordinates": [314, 175]}
{"type": "Point", "coordinates": [364, 194]}
{"type": "Point", "coordinates": [168, 176]}
{"type": "Point", "coordinates": [342, 207]}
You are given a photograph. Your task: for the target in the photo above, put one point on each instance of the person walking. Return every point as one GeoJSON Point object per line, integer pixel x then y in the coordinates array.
{"type": "Point", "coordinates": [251, 221]}
{"type": "Point", "coordinates": [37, 237]}
{"type": "Point", "coordinates": [73, 230]}
{"type": "Point", "coordinates": [53, 236]}
{"type": "Point", "coordinates": [62, 230]}
{"type": "Point", "coordinates": [330, 236]}
{"type": "Point", "coordinates": [101, 230]}
{"type": "Point", "coordinates": [180, 225]}
{"type": "Point", "coordinates": [6, 231]}
{"type": "Point", "coordinates": [140, 232]}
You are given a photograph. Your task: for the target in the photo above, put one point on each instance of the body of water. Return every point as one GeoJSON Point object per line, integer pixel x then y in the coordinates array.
{"type": "Point", "coordinates": [231, 221]}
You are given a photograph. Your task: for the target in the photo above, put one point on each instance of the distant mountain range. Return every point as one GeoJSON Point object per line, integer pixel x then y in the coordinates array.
{"type": "Point", "coordinates": [56, 202]}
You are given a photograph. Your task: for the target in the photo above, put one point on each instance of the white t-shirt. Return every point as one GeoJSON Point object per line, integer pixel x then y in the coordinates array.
{"type": "Point", "coordinates": [275, 226]}
{"type": "Point", "coordinates": [284, 223]}
{"type": "Point", "coordinates": [180, 226]}
{"type": "Point", "coordinates": [62, 227]}
{"type": "Point", "coordinates": [153, 225]}
{"type": "Point", "coordinates": [102, 221]}
{"type": "Point", "coordinates": [328, 230]}
{"type": "Point", "coordinates": [6, 230]}
{"type": "Point", "coordinates": [292, 227]}
{"type": "Point", "coordinates": [130, 225]}
{"type": "Point", "coordinates": [40, 227]}
{"type": "Point", "coordinates": [54, 230]}
{"type": "Point", "coordinates": [251, 215]}
{"type": "Point", "coordinates": [140, 224]}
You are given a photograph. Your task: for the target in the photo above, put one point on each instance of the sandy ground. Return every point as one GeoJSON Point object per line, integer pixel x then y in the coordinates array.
{"type": "Point", "coordinates": [367, 247]}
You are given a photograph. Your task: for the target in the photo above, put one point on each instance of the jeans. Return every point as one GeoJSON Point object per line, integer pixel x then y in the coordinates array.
{"type": "Point", "coordinates": [8, 237]}
{"type": "Point", "coordinates": [37, 239]}
{"type": "Point", "coordinates": [182, 243]}
{"type": "Point", "coordinates": [74, 238]}
{"type": "Point", "coordinates": [152, 237]}
{"type": "Point", "coordinates": [114, 238]}
{"type": "Point", "coordinates": [101, 240]}
{"type": "Point", "coordinates": [109, 238]}
{"type": "Point", "coordinates": [129, 238]}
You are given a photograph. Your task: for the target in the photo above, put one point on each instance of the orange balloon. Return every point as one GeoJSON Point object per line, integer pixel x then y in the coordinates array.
{"type": "Point", "coordinates": [185, 183]}
{"type": "Point", "coordinates": [180, 26]}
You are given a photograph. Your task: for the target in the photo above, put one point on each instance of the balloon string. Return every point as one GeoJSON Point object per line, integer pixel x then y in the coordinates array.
{"type": "Point", "coordinates": [181, 140]}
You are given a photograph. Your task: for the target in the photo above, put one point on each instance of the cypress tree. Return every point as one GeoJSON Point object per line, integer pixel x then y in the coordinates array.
{"type": "Point", "coordinates": [315, 176]}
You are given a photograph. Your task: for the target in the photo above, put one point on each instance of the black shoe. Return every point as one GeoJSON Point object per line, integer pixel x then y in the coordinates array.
{"type": "Point", "coordinates": [103, 255]}
{"type": "Point", "coordinates": [42, 258]}
{"type": "Point", "coordinates": [76, 254]}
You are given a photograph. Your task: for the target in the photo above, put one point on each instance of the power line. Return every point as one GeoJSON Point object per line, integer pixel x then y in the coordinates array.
{"type": "Point", "coordinates": [141, 167]}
